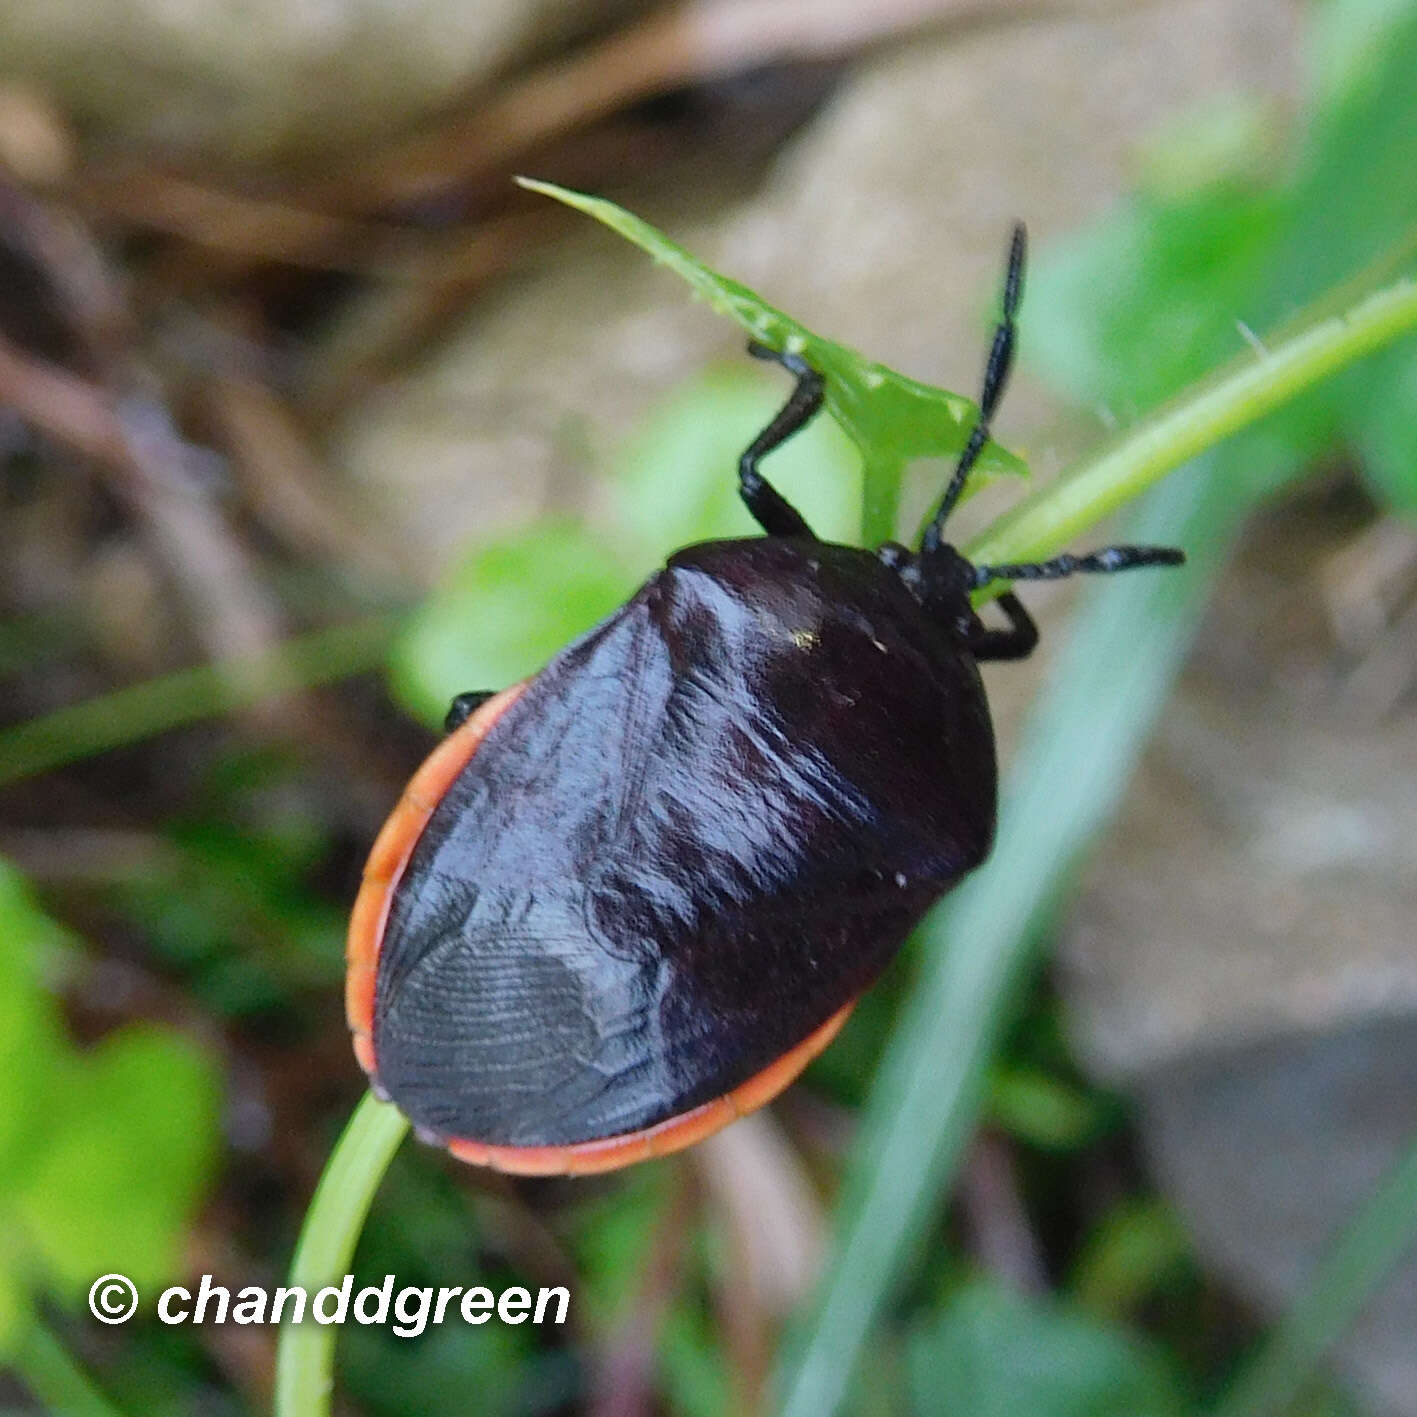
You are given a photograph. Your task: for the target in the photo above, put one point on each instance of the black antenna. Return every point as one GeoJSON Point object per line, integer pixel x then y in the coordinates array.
{"type": "Point", "coordinates": [1104, 562]}
{"type": "Point", "coordinates": [996, 375]}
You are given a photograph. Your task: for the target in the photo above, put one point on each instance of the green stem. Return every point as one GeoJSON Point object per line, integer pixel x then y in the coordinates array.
{"type": "Point", "coordinates": [1241, 394]}
{"type": "Point", "coordinates": [880, 499]}
{"type": "Point", "coordinates": [305, 1351]}
{"type": "Point", "coordinates": [980, 943]}
{"type": "Point", "coordinates": [1364, 1254]}
{"type": "Point", "coordinates": [50, 1372]}
{"type": "Point", "coordinates": [156, 705]}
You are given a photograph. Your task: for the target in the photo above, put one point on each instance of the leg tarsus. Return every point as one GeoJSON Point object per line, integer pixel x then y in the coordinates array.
{"type": "Point", "coordinates": [772, 511]}
{"type": "Point", "coordinates": [1017, 642]}
{"type": "Point", "coordinates": [463, 707]}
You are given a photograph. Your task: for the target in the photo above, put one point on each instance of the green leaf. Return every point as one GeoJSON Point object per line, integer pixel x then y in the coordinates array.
{"type": "Point", "coordinates": [103, 1153]}
{"type": "Point", "coordinates": [1134, 1247]}
{"type": "Point", "coordinates": [1341, 223]}
{"type": "Point", "coordinates": [504, 612]}
{"type": "Point", "coordinates": [1385, 431]}
{"type": "Point", "coordinates": [1042, 1110]}
{"type": "Point", "coordinates": [1125, 314]}
{"type": "Point", "coordinates": [129, 1144]}
{"type": "Point", "coordinates": [993, 1353]}
{"type": "Point", "coordinates": [1346, 42]}
{"type": "Point", "coordinates": [1355, 190]}
{"type": "Point", "coordinates": [889, 417]}
{"type": "Point", "coordinates": [32, 1045]}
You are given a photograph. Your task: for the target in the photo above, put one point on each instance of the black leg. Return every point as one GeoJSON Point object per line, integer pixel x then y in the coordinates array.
{"type": "Point", "coordinates": [773, 512]}
{"type": "Point", "coordinates": [996, 376]}
{"type": "Point", "coordinates": [463, 707]}
{"type": "Point", "coordinates": [1104, 562]}
{"type": "Point", "coordinates": [1017, 642]}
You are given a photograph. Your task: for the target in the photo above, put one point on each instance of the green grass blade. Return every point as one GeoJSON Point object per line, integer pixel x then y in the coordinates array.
{"type": "Point", "coordinates": [1237, 396]}
{"type": "Point", "coordinates": [55, 1377]}
{"type": "Point", "coordinates": [980, 944]}
{"type": "Point", "coordinates": [144, 710]}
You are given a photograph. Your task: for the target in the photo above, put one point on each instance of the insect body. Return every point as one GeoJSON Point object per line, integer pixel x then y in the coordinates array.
{"type": "Point", "coordinates": [630, 898]}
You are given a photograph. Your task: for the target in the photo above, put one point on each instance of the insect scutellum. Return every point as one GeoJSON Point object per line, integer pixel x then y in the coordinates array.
{"type": "Point", "coordinates": [937, 574]}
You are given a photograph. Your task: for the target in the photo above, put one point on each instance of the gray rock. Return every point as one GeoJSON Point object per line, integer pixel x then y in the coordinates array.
{"type": "Point", "coordinates": [1304, 834]}
{"type": "Point", "coordinates": [268, 77]}
{"type": "Point", "coordinates": [523, 407]}
{"type": "Point", "coordinates": [1244, 958]}
{"type": "Point", "coordinates": [1268, 1150]}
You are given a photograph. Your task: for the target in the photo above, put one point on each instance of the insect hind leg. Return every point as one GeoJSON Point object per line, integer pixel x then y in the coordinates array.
{"type": "Point", "coordinates": [463, 707]}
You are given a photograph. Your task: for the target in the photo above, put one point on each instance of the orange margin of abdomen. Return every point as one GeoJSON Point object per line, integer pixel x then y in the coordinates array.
{"type": "Point", "coordinates": [387, 862]}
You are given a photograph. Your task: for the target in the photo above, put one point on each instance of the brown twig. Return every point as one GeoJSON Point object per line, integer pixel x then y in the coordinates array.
{"type": "Point", "coordinates": [1001, 1234]}
{"type": "Point", "coordinates": [287, 486]}
{"type": "Point", "coordinates": [68, 408]}
{"type": "Point", "coordinates": [74, 312]}
{"type": "Point", "coordinates": [684, 44]}
{"type": "Point", "coordinates": [622, 1383]}
{"type": "Point", "coordinates": [150, 469]}
{"type": "Point", "coordinates": [758, 1189]}
{"type": "Point", "coordinates": [235, 224]}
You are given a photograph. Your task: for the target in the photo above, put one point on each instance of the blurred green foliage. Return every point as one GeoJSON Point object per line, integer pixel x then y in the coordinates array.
{"type": "Point", "coordinates": [229, 912]}
{"type": "Point", "coordinates": [1130, 1252]}
{"type": "Point", "coordinates": [504, 613]}
{"type": "Point", "coordinates": [104, 1151]}
{"type": "Point", "coordinates": [514, 602]}
{"type": "Point", "coordinates": [1241, 217]}
{"type": "Point", "coordinates": [1233, 230]}
{"type": "Point", "coordinates": [995, 1353]}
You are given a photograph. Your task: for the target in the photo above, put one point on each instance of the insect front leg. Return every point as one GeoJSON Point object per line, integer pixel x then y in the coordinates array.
{"type": "Point", "coordinates": [771, 510]}
{"type": "Point", "coordinates": [1017, 642]}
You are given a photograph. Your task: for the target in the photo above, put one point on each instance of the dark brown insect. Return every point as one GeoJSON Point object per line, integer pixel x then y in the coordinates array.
{"type": "Point", "coordinates": [630, 898]}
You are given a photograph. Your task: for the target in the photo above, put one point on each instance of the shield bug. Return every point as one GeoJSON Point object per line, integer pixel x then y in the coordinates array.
{"type": "Point", "coordinates": [628, 899]}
